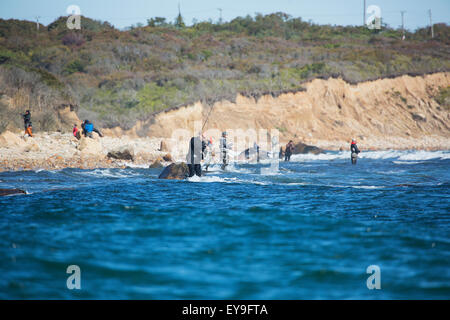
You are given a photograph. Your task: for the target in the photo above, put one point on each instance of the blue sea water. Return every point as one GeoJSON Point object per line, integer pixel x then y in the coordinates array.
{"type": "Point", "coordinates": [308, 231]}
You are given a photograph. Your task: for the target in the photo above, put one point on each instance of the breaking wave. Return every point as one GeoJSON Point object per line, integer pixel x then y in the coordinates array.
{"type": "Point", "coordinates": [109, 173]}
{"type": "Point", "coordinates": [390, 154]}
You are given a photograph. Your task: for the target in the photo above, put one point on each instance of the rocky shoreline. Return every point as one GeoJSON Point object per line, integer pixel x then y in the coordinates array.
{"type": "Point", "coordinates": [56, 151]}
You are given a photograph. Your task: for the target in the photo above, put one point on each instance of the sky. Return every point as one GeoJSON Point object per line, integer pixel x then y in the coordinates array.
{"type": "Point", "coordinates": [123, 13]}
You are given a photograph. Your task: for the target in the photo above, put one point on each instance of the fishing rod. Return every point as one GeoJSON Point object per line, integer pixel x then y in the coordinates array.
{"type": "Point", "coordinates": [207, 117]}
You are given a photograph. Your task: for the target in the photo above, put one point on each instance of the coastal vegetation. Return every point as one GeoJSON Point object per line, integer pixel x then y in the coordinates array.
{"type": "Point", "coordinates": [116, 77]}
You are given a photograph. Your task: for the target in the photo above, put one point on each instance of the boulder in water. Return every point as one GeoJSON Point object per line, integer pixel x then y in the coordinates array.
{"type": "Point", "coordinates": [8, 192]}
{"type": "Point", "coordinates": [156, 165]}
{"type": "Point", "coordinates": [252, 155]}
{"type": "Point", "coordinates": [301, 148]}
{"type": "Point", "coordinates": [175, 171]}
{"type": "Point", "coordinates": [124, 153]}
{"type": "Point", "coordinates": [168, 158]}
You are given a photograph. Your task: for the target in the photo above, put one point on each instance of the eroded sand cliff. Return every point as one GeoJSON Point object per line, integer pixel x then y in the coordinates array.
{"type": "Point", "coordinates": [387, 113]}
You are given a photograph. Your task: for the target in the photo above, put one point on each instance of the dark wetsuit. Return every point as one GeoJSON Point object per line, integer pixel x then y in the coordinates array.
{"type": "Point", "coordinates": [196, 149]}
{"type": "Point", "coordinates": [247, 154]}
{"type": "Point", "coordinates": [26, 120]}
{"type": "Point", "coordinates": [354, 149]}
{"type": "Point", "coordinates": [98, 132]}
{"type": "Point", "coordinates": [83, 125]}
{"type": "Point", "coordinates": [257, 153]}
{"type": "Point", "coordinates": [223, 148]}
{"type": "Point", "coordinates": [288, 152]}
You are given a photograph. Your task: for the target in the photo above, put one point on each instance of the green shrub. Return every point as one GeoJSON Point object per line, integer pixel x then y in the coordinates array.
{"type": "Point", "coordinates": [74, 66]}
{"type": "Point", "coordinates": [443, 98]}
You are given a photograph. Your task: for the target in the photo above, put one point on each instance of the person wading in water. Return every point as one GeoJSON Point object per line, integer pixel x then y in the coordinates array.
{"type": "Point", "coordinates": [224, 147]}
{"type": "Point", "coordinates": [197, 147]}
{"type": "Point", "coordinates": [289, 151]}
{"type": "Point", "coordinates": [355, 151]}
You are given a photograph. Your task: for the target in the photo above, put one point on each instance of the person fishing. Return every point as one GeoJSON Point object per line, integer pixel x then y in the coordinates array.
{"type": "Point", "coordinates": [281, 153]}
{"type": "Point", "coordinates": [289, 151]}
{"type": "Point", "coordinates": [197, 147]}
{"type": "Point", "coordinates": [208, 154]}
{"type": "Point", "coordinates": [256, 148]}
{"type": "Point", "coordinates": [26, 119]}
{"type": "Point", "coordinates": [224, 147]}
{"type": "Point", "coordinates": [355, 151]}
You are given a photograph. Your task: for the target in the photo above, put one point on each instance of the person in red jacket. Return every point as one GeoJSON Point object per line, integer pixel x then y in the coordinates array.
{"type": "Point", "coordinates": [76, 132]}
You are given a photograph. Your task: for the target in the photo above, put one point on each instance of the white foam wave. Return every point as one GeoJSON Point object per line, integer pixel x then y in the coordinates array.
{"type": "Point", "coordinates": [390, 171]}
{"type": "Point", "coordinates": [333, 185]}
{"type": "Point", "coordinates": [387, 154]}
{"type": "Point", "coordinates": [368, 187]}
{"type": "Point", "coordinates": [425, 155]}
{"type": "Point", "coordinates": [323, 156]}
{"type": "Point", "coordinates": [217, 179]}
{"type": "Point", "coordinates": [134, 165]}
{"type": "Point", "coordinates": [408, 162]}
{"type": "Point", "coordinates": [108, 173]}
{"type": "Point", "coordinates": [209, 179]}
{"type": "Point", "coordinates": [231, 168]}
{"type": "Point", "coordinates": [356, 187]}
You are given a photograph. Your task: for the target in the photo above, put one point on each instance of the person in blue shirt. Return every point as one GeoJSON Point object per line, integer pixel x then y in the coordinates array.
{"type": "Point", "coordinates": [88, 128]}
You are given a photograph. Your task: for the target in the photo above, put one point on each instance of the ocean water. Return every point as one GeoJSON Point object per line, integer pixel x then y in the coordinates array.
{"type": "Point", "coordinates": [308, 231]}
